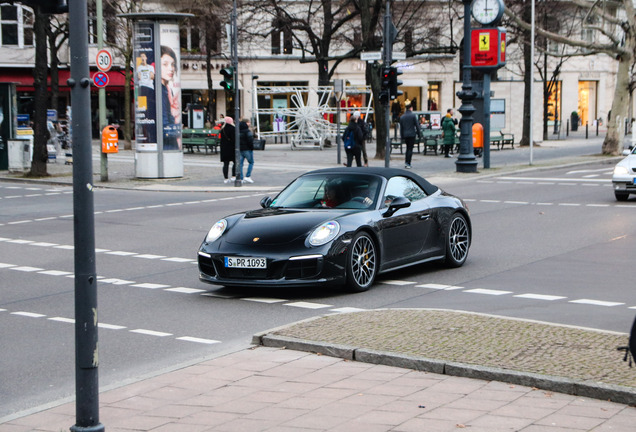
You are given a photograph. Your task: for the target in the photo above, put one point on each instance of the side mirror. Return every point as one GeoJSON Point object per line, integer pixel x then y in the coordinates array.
{"type": "Point", "coordinates": [396, 204]}
{"type": "Point", "coordinates": [266, 202]}
{"type": "Point", "coordinates": [627, 152]}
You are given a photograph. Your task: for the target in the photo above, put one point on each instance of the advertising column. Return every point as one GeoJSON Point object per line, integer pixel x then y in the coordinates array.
{"type": "Point", "coordinates": [158, 147]}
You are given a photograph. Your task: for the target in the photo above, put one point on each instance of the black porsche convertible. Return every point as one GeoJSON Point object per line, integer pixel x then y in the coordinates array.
{"type": "Point", "coordinates": [338, 226]}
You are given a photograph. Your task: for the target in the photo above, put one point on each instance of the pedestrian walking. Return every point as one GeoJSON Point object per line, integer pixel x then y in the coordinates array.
{"type": "Point", "coordinates": [228, 149]}
{"type": "Point", "coordinates": [353, 139]}
{"type": "Point", "coordinates": [448, 132]}
{"type": "Point", "coordinates": [409, 130]}
{"type": "Point", "coordinates": [365, 133]}
{"type": "Point", "coordinates": [247, 150]}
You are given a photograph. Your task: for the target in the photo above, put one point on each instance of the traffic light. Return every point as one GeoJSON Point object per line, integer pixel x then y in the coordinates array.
{"type": "Point", "coordinates": [385, 77]}
{"type": "Point", "coordinates": [49, 6]}
{"type": "Point", "coordinates": [228, 79]}
{"type": "Point", "coordinates": [394, 82]}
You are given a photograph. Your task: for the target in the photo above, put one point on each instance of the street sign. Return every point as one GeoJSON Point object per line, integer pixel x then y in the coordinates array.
{"type": "Point", "coordinates": [370, 55]}
{"type": "Point", "coordinates": [100, 79]}
{"type": "Point", "coordinates": [398, 55]}
{"type": "Point", "coordinates": [104, 60]}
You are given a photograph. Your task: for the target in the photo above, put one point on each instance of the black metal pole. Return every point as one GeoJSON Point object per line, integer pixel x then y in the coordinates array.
{"type": "Point", "coordinates": [466, 161]}
{"type": "Point", "coordinates": [567, 128]}
{"type": "Point", "coordinates": [86, 347]}
{"type": "Point", "coordinates": [387, 57]}
{"type": "Point", "coordinates": [486, 142]}
{"type": "Point", "coordinates": [237, 109]}
{"type": "Point", "coordinates": [586, 130]}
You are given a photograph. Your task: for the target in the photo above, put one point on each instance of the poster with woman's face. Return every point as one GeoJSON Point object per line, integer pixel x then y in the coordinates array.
{"type": "Point", "coordinates": [145, 108]}
{"type": "Point", "coordinates": [169, 60]}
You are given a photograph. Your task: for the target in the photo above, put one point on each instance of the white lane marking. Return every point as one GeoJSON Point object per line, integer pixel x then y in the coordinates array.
{"type": "Point", "coordinates": [198, 340]}
{"type": "Point", "coordinates": [597, 205]}
{"type": "Point", "coordinates": [397, 282]}
{"type": "Point", "coordinates": [55, 272]}
{"type": "Point", "coordinates": [19, 241]}
{"type": "Point", "coordinates": [110, 326]}
{"type": "Point", "coordinates": [28, 314]}
{"type": "Point", "coordinates": [67, 247]}
{"type": "Point", "coordinates": [491, 201]}
{"type": "Point", "coordinates": [517, 202]}
{"type": "Point", "coordinates": [569, 204]}
{"type": "Point", "coordinates": [150, 332]}
{"type": "Point", "coordinates": [5, 265]}
{"type": "Point", "coordinates": [308, 305]}
{"type": "Point", "coordinates": [185, 290]}
{"type": "Point", "coordinates": [149, 256]}
{"type": "Point", "coordinates": [264, 300]}
{"type": "Point", "coordinates": [121, 253]}
{"type": "Point", "coordinates": [348, 310]}
{"type": "Point", "coordinates": [116, 281]}
{"type": "Point", "coordinates": [62, 319]}
{"type": "Point", "coordinates": [487, 291]}
{"type": "Point", "coordinates": [43, 244]}
{"type": "Point", "coordinates": [596, 302]}
{"type": "Point", "coordinates": [97, 250]}
{"type": "Point", "coordinates": [439, 287]}
{"type": "Point", "coordinates": [177, 259]}
{"type": "Point", "coordinates": [540, 297]}
{"type": "Point", "coordinates": [151, 285]}
{"type": "Point", "coordinates": [556, 179]}
{"type": "Point", "coordinates": [27, 269]}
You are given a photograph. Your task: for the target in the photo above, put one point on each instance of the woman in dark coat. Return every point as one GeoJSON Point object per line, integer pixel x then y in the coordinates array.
{"type": "Point", "coordinates": [228, 150]}
{"type": "Point", "coordinates": [358, 138]}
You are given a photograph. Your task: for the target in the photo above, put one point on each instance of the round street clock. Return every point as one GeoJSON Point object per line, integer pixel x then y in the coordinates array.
{"type": "Point", "coordinates": [487, 12]}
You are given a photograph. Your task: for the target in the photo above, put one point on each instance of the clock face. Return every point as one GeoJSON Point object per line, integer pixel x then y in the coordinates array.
{"type": "Point", "coordinates": [487, 11]}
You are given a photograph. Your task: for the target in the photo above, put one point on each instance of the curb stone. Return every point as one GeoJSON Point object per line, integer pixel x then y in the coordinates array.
{"type": "Point", "coordinates": [593, 390]}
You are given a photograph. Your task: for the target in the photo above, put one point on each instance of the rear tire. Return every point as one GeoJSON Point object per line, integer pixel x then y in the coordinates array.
{"type": "Point", "coordinates": [457, 241]}
{"type": "Point", "coordinates": [362, 263]}
{"type": "Point", "coordinates": [621, 196]}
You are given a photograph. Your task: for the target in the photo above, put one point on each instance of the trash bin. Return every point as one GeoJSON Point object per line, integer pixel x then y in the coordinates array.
{"type": "Point", "coordinates": [20, 155]}
{"type": "Point", "coordinates": [110, 140]}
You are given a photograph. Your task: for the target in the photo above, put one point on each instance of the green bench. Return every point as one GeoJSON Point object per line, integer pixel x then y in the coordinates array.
{"type": "Point", "coordinates": [431, 139]}
{"type": "Point", "coordinates": [197, 138]}
{"type": "Point", "coordinates": [501, 139]}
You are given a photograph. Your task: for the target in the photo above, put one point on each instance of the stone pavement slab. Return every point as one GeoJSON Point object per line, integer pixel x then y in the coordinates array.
{"type": "Point", "coordinates": [324, 393]}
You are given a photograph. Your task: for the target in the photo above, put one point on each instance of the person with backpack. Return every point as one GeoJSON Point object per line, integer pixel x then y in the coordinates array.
{"type": "Point", "coordinates": [353, 139]}
{"type": "Point", "coordinates": [364, 127]}
{"type": "Point", "coordinates": [247, 150]}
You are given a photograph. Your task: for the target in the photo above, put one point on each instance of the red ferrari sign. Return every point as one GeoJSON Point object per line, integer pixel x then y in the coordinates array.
{"type": "Point", "coordinates": [488, 48]}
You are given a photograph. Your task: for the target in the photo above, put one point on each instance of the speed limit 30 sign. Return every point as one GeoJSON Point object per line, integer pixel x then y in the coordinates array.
{"type": "Point", "coordinates": [104, 60]}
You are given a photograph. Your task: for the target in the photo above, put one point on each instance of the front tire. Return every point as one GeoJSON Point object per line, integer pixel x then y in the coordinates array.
{"type": "Point", "coordinates": [457, 241]}
{"type": "Point", "coordinates": [362, 263]}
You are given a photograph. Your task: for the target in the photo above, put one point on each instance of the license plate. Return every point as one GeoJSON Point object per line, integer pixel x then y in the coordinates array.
{"type": "Point", "coordinates": [241, 262]}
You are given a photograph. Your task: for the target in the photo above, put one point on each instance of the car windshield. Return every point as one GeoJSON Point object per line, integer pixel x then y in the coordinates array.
{"type": "Point", "coordinates": [344, 191]}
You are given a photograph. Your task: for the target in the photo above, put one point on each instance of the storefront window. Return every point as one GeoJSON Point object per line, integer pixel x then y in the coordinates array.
{"type": "Point", "coordinates": [434, 93]}
{"type": "Point", "coordinates": [554, 102]}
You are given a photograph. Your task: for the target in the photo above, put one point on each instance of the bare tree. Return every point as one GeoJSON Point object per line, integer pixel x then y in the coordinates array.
{"type": "Point", "coordinates": [57, 35]}
{"type": "Point", "coordinates": [615, 24]}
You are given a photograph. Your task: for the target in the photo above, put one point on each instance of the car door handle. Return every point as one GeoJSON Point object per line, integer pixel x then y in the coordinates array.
{"type": "Point", "coordinates": [425, 216]}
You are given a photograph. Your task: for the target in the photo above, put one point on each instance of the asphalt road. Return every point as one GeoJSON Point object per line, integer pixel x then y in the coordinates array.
{"type": "Point", "coordinates": [550, 245]}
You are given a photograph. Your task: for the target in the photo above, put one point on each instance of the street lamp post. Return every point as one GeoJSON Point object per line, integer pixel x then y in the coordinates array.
{"type": "Point", "coordinates": [86, 347]}
{"type": "Point", "coordinates": [466, 161]}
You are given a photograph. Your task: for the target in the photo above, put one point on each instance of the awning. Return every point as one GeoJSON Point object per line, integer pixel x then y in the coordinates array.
{"type": "Point", "coordinates": [24, 79]}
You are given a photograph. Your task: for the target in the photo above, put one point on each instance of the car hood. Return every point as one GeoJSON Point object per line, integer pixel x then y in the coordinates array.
{"type": "Point", "coordinates": [628, 162]}
{"type": "Point", "coordinates": [277, 226]}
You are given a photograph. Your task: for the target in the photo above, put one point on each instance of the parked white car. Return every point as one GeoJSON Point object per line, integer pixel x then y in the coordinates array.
{"type": "Point", "coordinates": [624, 178]}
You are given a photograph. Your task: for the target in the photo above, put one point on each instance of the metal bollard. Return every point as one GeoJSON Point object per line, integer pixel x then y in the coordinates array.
{"type": "Point", "coordinates": [586, 129]}
{"type": "Point", "coordinates": [597, 122]}
{"type": "Point", "coordinates": [567, 128]}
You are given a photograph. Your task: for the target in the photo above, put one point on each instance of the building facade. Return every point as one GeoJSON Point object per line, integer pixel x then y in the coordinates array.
{"type": "Point", "coordinates": [431, 81]}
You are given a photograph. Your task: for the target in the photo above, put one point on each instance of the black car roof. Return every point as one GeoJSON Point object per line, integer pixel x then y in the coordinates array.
{"type": "Point", "coordinates": [387, 173]}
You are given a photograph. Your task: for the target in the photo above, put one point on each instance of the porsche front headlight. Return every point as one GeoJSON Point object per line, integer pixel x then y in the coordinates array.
{"type": "Point", "coordinates": [324, 233]}
{"type": "Point", "coordinates": [216, 231]}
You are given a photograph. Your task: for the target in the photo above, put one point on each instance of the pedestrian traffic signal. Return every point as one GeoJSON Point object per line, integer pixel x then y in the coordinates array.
{"type": "Point", "coordinates": [394, 82]}
{"type": "Point", "coordinates": [385, 77]}
{"type": "Point", "coordinates": [228, 79]}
